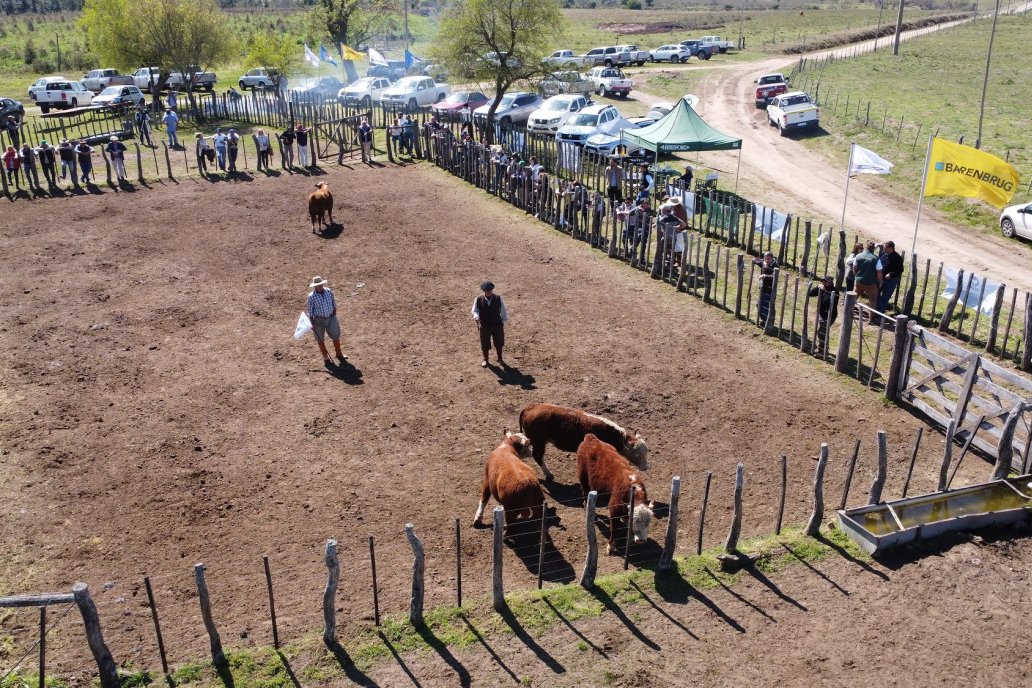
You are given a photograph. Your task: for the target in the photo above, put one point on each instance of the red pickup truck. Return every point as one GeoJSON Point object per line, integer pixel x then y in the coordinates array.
{"type": "Point", "coordinates": [768, 86]}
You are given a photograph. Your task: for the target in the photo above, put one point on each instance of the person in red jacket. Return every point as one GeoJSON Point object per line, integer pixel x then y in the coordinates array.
{"type": "Point", "coordinates": [12, 166]}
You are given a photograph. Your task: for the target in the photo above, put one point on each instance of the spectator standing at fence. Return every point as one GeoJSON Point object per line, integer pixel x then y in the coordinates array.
{"type": "Point", "coordinates": [890, 267]}
{"type": "Point", "coordinates": [643, 230]}
{"type": "Point", "coordinates": [201, 150]}
{"type": "Point", "coordinates": [66, 152]}
{"type": "Point", "coordinates": [171, 100]}
{"type": "Point", "coordinates": [365, 139]}
{"type": "Point", "coordinates": [614, 182]}
{"type": "Point", "coordinates": [669, 228]}
{"type": "Point", "coordinates": [84, 157]}
{"type": "Point", "coordinates": [827, 308]}
{"type": "Point", "coordinates": [143, 124]}
{"type": "Point", "coordinates": [642, 195]}
{"type": "Point", "coordinates": [850, 276]}
{"type": "Point", "coordinates": [647, 180]}
{"type": "Point", "coordinates": [500, 162]}
{"type": "Point", "coordinates": [466, 116]}
{"type": "Point", "coordinates": [48, 161]}
{"type": "Point", "coordinates": [171, 122]}
{"type": "Point", "coordinates": [264, 148]}
{"type": "Point", "coordinates": [490, 316]}
{"type": "Point", "coordinates": [12, 166]}
{"type": "Point", "coordinates": [220, 142]}
{"type": "Point", "coordinates": [396, 133]}
{"type": "Point", "coordinates": [768, 264]}
{"type": "Point", "coordinates": [686, 178]}
{"type": "Point", "coordinates": [322, 311]}
{"type": "Point", "coordinates": [116, 149]}
{"type": "Point", "coordinates": [627, 213]}
{"type": "Point", "coordinates": [13, 129]}
{"type": "Point", "coordinates": [407, 133]}
{"type": "Point", "coordinates": [302, 145]}
{"type": "Point", "coordinates": [868, 277]}
{"type": "Point", "coordinates": [28, 162]}
{"type": "Point", "coordinates": [286, 140]}
{"type": "Point", "coordinates": [232, 148]}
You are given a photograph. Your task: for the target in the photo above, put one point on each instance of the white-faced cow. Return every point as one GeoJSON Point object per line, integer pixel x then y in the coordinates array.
{"type": "Point", "coordinates": [565, 428]}
{"type": "Point", "coordinates": [601, 468]}
{"type": "Point", "coordinates": [511, 482]}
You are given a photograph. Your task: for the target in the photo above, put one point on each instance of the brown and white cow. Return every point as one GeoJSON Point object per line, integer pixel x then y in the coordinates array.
{"type": "Point", "coordinates": [565, 428]}
{"type": "Point", "coordinates": [602, 469]}
{"type": "Point", "coordinates": [512, 482]}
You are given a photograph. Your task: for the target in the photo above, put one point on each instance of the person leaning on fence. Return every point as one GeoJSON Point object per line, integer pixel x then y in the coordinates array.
{"type": "Point", "coordinates": [12, 166]}
{"type": "Point", "coordinates": [143, 124]}
{"type": "Point", "coordinates": [490, 316]}
{"type": "Point", "coordinates": [233, 148]}
{"type": "Point", "coordinates": [171, 122]}
{"type": "Point", "coordinates": [365, 140]}
{"type": "Point", "coordinates": [48, 161]}
{"type": "Point", "coordinates": [264, 148]}
{"type": "Point", "coordinates": [408, 133]}
{"type": "Point", "coordinates": [221, 152]}
{"type": "Point", "coordinates": [642, 230]}
{"type": "Point", "coordinates": [28, 161]}
{"type": "Point", "coordinates": [13, 129]}
{"type": "Point", "coordinates": [768, 264]}
{"type": "Point", "coordinates": [116, 149]}
{"type": "Point", "coordinates": [171, 100]}
{"type": "Point", "coordinates": [686, 179]}
{"type": "Point", "coordinates": [827, 308]}
{"type": "Point", "coordinates": [865, 269]}
{"type": "Point", "coordinates": [302, 145]}
{"type": "Point", "coordinates": [84, 157]}
{"type": "Point", "coordinates": [850, 276]}
{"type": "Point", "coordinates": [890, 267]}
{"type": "Point", "coordinates": [286, 141]}
{"type": "Point", "coordinates": [66, 151]}
{"type": "Point", "coordinates": [322, 311]}
{"type": "Point", "coordinates": [614, 182]}
{"type": "Point", "coordinates": [627, 213]}
{"type": "Point", "coordinates": [201, 152]}
{"type": "Point", "coordinates": [668, 229]}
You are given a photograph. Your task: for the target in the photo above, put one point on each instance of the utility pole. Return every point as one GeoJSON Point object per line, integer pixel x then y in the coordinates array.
{"type": "Point", "coordinates": [57, 40]}
{"type": "Point", "coordinates": [877, 32]}
{"type": "Point", "coordinates": [899, 27]}
{"type": "Point", "coordinates": [985, 81]}
{"type": "Point", "coordinates": [406, 3]}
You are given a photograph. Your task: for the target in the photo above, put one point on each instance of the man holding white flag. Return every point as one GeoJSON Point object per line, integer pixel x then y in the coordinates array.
{"type": "Point", "coordinates": [862, 161]}
{"type": "Point", "coordinates": [311, 57]}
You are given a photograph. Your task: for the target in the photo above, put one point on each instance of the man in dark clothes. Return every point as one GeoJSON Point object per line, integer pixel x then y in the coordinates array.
{"type": "Point", "coordinates": [827, 308]}
{"type": "Point", "coordinates": [767, 267]}
{"type": "Point", "coordinates": [890, 267]}
{"type": "Point", "coordinates": [490, 315]}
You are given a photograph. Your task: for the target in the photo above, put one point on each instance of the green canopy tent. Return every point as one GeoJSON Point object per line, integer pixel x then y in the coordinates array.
{"type": "Point", "coordinates": [682, 130]}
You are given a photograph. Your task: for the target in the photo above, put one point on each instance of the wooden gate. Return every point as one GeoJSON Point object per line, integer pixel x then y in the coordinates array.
{"type": "Point", "coordinates": [338, 138]}
{"type": "Point", "coordinates": [948, 382]}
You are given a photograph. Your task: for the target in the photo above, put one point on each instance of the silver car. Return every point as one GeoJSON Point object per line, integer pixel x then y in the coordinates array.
{"type": "Point", "coordinates": [514, 108]}
{"type": "Point", "coordinates": [1016, 220]}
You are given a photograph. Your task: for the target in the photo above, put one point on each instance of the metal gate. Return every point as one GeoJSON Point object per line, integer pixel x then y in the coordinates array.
{"type": "Point", "coordinates": [338, 138]}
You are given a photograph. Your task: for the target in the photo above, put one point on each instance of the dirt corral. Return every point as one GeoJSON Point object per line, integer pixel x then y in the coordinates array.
{"type": "Point", "coordinates": [156, 412]}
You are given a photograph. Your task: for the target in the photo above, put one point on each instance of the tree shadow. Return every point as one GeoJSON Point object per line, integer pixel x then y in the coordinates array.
{"type": "Point", "coordinates": [397, 658]}
{"type": "Point", "coordinates": [331, 231]}
{"type": "Point", "coordinates": [445, 654]}
{"type": "Point", "coordinates": [666, 615]}
{"type": "Point", "coordinates": [739, 597]}
{"type": "Point", "coordinates": [815, 570]}
{"type": "Point", "coordinates": [521, 633]}
{"type": "Point", "coordinates": [509, 375]}
{"type": "Point", "coordinates": [772, 586]}
{"type": "Point", "coordinates": [842, 552]}
{"type": "Point", "coordinates": [566, 622]}
{"type": "Point", "coordinates": [345, 372]}
{"type": "Point", "coordinates": [490, 650]}
{"type": "Point", "coordinates": [612, 606]}
{"type": "Point", "coordinates": [348, 666]}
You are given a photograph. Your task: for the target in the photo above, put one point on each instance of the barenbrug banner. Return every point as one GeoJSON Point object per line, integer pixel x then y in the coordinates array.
{"type": "Point", "coordinates": [958, 170]}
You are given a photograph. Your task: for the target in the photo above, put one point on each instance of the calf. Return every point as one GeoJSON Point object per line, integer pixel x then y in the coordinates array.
{"type": "Point", "coordinates": [566, 428]}
{"type": "Point", "coordinates": [602, 469]}
{"type": "Point", "coordinates": [511, 482]}
{"type": "Point", "coordinates": [320, 203]}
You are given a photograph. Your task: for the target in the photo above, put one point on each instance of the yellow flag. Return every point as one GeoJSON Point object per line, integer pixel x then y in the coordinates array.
{"type": "Point", "coordinates": [350, 53]}
{"type": "Point", "coordinates": [958, 170]}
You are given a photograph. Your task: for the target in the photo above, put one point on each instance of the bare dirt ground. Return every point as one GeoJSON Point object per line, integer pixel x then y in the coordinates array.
{"type": "Point", "coordinates": [156, 413]}
{"type": "Point", "coordinates": [776, 165]}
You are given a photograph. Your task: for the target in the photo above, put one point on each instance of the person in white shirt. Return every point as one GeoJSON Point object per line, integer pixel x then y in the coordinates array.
{"type": "Point", "coordinates": [490, 316]}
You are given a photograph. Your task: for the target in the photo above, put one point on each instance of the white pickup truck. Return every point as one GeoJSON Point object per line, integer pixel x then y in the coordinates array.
{"type": "Point", "coordinates": [145, 77]}
{"type": "Point", "coordinates": [567, 59]}
{"type": "Point", "coordinates": [414, 91]}
{"type": "Point", "coordinates": [99, 79]}
{"type": "Point", "coordinates": [792, 111]}
{"type": "Point", "coordinates": [637, 56]}
{"type": "Point", "coordinates": [721, 44]}
{"type": "Point", "coordinates": [201, 81]}
{"type": "Point", "coordinates": [610, 80]}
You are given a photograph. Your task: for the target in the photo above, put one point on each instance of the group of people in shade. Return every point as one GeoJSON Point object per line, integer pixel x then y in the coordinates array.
{"type": "Point", "coordinates": [75, 157]}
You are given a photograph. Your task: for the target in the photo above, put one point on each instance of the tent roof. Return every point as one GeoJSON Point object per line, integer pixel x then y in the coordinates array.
{"type": "Point", "coordinates": [681, 130]}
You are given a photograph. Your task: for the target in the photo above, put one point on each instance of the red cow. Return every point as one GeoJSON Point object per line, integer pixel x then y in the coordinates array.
{"type": "Point", "coordinates": [602, 469]}
{"type": "Point", "coordinates": [511, 482]}
{"type": "Point", "coordinates": [566, 428]}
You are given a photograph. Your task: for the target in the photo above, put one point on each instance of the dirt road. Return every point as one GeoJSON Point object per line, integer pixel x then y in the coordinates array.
{"type": "Point", "coordinates": [788, 175]}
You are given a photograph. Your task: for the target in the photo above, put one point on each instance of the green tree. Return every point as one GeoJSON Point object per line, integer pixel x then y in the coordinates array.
{"type": "Point", "coordinates": [353, 22]}
{"type": "Point", "coordinates": [276, 52]}
{"type": "Point", "coordinates": [500, 42]}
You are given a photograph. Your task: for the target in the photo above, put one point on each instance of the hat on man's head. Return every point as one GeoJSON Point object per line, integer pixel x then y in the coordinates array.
{"type": "Point", "coordinates": [114, 138]}
{"type": "Point", "coordinates": [318, 281]}
{"type": "Point", "coordinates": [44, 143]}
{"type": "Point", "coordinates": [768, 253]}
{"type": "Point", "coordinates": [487, 286]}
{"type": "Point", "coordinates": [827, 278]}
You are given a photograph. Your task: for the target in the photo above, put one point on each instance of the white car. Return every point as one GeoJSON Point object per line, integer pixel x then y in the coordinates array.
{"type": "Point", "coordinates": [145, 77]}
{"type": "Point", "coordinates": [41, 85]}
{"type": "Point", "coordinates": [366, 91]}
{"type": "Point", "coordinates": [606, 144]}
{"type": "Point", "coordinates": [414, 91]}
{"type": "Point", "coordinates": [1016, 220]}
{"type": "Point", "coordinates": [258, 78]}
{"type": "Point", "coordinates": [670, 53]}
{"type": "Point", "coordinates": [554, 113]}
{"type": "Point", "coordinates": [595, 119]}
{"type": "Point", "coordinates": [120, 95]}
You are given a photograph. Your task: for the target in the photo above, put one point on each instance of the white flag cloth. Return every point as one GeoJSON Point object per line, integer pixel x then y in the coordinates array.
{"type": "Point", "coordinates": [311, 57]}
{"type": "Point", "coordinates": [971, 290]}
{"type": "Point", "coordinates": [868, 162]}
{"type": "Point", "coordinates": [769, 222]}
{"type": "Point", "coordinates": [303, 327]}
{"type": "Point", "coordinates": [376, 57]}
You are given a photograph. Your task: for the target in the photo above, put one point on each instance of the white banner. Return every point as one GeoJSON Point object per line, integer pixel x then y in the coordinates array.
{"type": "Point", "coordinates": [972, 289]}
{"type": "Point", "coordinates": [769, 222]}
{"type": "Point", "coordinates": [311, 57]}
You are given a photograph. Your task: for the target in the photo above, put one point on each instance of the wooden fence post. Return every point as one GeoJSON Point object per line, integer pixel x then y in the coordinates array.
{"type": "Point", "coordinates": [731, 544]}
{"type": "Point", "coordinates": [139, 163]}
{"type": "Point", "coordinates": [543, 536]}
{"type": "Point", "coordinates": [772, 304]}
{"type": "Point", "coordinates": [376, 588]}
{"type": "Point", "coordinates": [994, 323]}
{"type": "Point", "coordinates": [418, 567]}
{"type": "Point", "coordinates": [168, 160]}
{"type": "Point", "coordinates": [630, 524]}
{"type": "Point", "coordinates": [874, 496]}
{"type": "Point", "coordinates": [458, 564]}
{"type": "Point", "coordinates": [1005, 450]}
{"type": "Point", "coordinates": [330, 594]}
{"type": "Point", "coordinates": [947, 315]}
{"type": "Point", "coordinates": [899, 355]}
{"type": "Point", "coordinates": [106, 667]}
{"type": "Point", "coordinates": [497, 590]}
{"type": "Point", "coordinates": [272, 602]}
{"type": "Point", "coordinates": [157, 625]}
{"type": "Point", "coordinates": [43, 646]}
{"type": "Point", "coordinates": [908, 298]}
{"type": "Point", "coordinates": [813, 526]}
{"type": "Point", "coordinates": [846, 334]}
{"type": "Point", "coordinates": [666, 561]}
{"type": "Point", "coordinates": [587, 578]}
{"type": "Point", "coordinates": [218, 657]}
{"type": "Point", "coordinates": [947, 457]}
{"type": "Point", "coordinates": [1026, 355]}
{"type": "Point", "coordinates": [849, 474]}
{"type": "Point", "coordinates": [702, 513]}
{"type": "Point", "coordinates": [913, 459]}
{"type": "Point", "coordinates": [784, 491]}
{"type": "Point", "coordinates": [807, 238]}
{"type": "Point", "coordinates": [740, 269]}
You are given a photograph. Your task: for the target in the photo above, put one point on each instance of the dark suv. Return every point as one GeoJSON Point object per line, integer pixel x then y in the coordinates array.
{"type": "Point", "coordinates": [700, 51]}
{"type": "Point", "coordinates": [393, 70]}
{"type": "Point", "coordinates": [11, 107]}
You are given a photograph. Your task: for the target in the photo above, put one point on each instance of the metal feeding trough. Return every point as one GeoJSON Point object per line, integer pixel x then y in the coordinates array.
{"type": "Point", "coordinates": [881, 527]}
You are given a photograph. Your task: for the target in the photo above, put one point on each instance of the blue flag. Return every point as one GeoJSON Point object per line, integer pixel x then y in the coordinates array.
{"type": "Point", "coordinates": [325, 56]}
{"type": "Point", "coordinates": [410, 59]}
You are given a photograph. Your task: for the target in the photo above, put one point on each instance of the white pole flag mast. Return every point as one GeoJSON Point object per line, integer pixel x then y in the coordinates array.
{"type": "Point", "coordinates": [849, 171]}
{"type": "Point", "coordinates": [920, 201]}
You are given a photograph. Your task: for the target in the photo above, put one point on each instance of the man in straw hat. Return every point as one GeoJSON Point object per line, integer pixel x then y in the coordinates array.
{"type": "Point", "coordinates": [322, 311]}
{"type": "Point", "coordinates": [490, 316]}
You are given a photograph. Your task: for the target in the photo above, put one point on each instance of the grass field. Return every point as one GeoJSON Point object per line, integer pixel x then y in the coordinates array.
{"type": "Point", "coordinates": [905, 89]}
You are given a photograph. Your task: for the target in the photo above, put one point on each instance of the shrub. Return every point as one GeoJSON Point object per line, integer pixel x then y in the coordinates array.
{"type": "Point", "coordinates": [633, 4]}
{"type": "Point", "coordinates": [30, 52]}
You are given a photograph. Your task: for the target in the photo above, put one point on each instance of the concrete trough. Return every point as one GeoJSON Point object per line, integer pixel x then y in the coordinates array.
{"type": "Point", "coordinates": [881, 527]}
